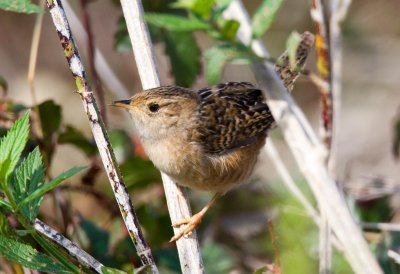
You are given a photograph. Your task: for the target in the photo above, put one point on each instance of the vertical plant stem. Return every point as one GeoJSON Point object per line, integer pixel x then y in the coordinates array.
{"type": "Point", "coordinates": [100, 135]}
{"type": "Point", "coordinates": [326, 120]}
{"type": "Point", "coordinates": [178, 205]}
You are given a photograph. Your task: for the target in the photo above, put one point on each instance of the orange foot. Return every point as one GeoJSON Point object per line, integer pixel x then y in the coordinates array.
{"type": "Point", "coordinates": [191, 223]}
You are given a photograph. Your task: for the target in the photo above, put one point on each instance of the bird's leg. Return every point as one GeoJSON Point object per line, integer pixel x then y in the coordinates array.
{"type": "Point", "coordinates": [195, 220]}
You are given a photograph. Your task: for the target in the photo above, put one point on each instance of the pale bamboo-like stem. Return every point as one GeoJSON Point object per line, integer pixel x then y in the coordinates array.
{"type": "Point", "coordinates": [178, 205]}
{"type": "Point", "coordinates": [82, 256]}
{"type": "Point", "coordinates": [339, 9]}
{"type": "Point", "coordinates": [394, 256]}
{"type": "Point", "coordinates": [326, 121]}
{"type": "Point", "coordinates": [308, 151]}
{"type": "Point", "coordinates": [99, 133]}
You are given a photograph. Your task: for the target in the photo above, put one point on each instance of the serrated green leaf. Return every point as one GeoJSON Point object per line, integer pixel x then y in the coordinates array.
{"type": "Point", "coordinates": [21, 6]}
{"type": "Point", "coordinates": [27, 178]}
{"type": "Point", "coordinates": [74, 137]}
{"type": "Point", "coordinates": [11, 147]}
{"type": "Point", "coordinates": [29, 257]}
{"type": "Point", "coordinates": [43, 189]}
{"type": "Point", "coordinates": [175, 23]}
{"type": "Point", "coordinates": [292, 43]}
{"type": "Point", "coordinates": [264, 16]}
{"type": "Point", "coordinates": [184, 54]}
{"type": "Point", "coordinates": [5, 228]}
{"type": "Point", "coordinates": [109, 270]}
{"type": "Point", "coordinates": [218, 56]}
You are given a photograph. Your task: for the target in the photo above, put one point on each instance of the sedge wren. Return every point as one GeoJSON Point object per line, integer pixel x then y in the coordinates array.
{"type": "Point", "coordinates": [206, 139]}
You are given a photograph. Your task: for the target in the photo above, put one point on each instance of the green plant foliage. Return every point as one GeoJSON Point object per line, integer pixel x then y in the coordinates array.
{"type": "Point", "coordinates": [184, 55]}
{"type": "Point", "coordinates": [109, 270]}
{"type": "Point", "coordinates": [218, 56]}
{"type": "Point", "coordinates": [11, 147]}
{"type": "Point", "coordinates": [261, 270]}
{"type": "Point", "coordinates": [216, 259]}
{"type": "Point", "coordinates": [28, 177]}
{"type": "Point", "coordinates": [292, 43]}
{"type": "Point", "coordinates": [5, 229]}
{"type": "Point", "coordinates": [28, 256]}
{"type": "Point", "coordinates": [5, 205]}
{"type": "Point", "coordinates": [74, 137]}
{"type": "Point", "coordinates": [43, 189]}
{"type": "Point", "coordinates": [264, 16]}
{"type": "Point", "coordinates": [98, 241]}
{"type": "Point", "coordinates": [122, 144]}
{"type": "Point", "coordinates": [201, 8]}
{"type": "Point", "coordinates": [50, 118]}
{"type": "Point", "coordinates": [21, 6]}
{"type": "Point", "coordinates": [228, 29]}
{"type": "Point", "coordinates": [175, 23]}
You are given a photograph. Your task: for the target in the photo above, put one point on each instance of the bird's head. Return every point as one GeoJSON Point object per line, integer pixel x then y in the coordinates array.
{"type": "Point", "coordinates": [160, 111]}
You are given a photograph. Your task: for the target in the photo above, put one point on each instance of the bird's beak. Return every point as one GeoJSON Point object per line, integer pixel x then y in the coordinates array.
{"type": "Point", "coordinates": [122, 103]}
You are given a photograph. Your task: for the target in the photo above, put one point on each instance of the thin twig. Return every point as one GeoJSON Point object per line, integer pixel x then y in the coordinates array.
{"type": "Point", "coordinates": [326, 121]}
{"type": "Point", "coordinates": [178, 206]}
{"type": "Point", "coordinates": [75, 251]}
{"type": "Point", "coordinates": [339, 9]}
{"type": "Point", "coordinates": [99, 133]}
{"type": "Point", "coordinates": [308, 151]}
{"type": "Point", "coordinates": [98, 87]}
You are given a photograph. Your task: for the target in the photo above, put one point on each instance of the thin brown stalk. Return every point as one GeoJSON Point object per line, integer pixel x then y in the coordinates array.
{"type": "Point", "coordinates": [98, 87]}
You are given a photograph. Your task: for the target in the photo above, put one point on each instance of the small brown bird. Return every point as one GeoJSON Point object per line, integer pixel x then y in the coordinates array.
{"type": "Point", "coordinates": [206, 139]}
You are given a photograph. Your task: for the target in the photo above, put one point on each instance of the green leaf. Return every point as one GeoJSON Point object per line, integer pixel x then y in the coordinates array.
{"type": "Point", "coordinates": [5, 205]}
{"type": "Point", "coordinates": [264, 16]}
{"type": "Point", "coordinates": [175, 23]}
{"type": "Point", "coordinates": [74, 137]}
{"type": "Point", "coordinates": [292, 43]}
{"type": "Point", "coordinates": [218, 56]}
{"type": "Point", "coordinates": [50, 118]}
{"type": "Point", "coordinates": [43, 189]}
{"type": "Point", "coordinates": [109, 270]}
{"type": "Point", "coordinates": [11, 147]}
{"type": "Point", "coordinates": [22, 6]}
{"type": "Point", "coordinates": [202, 8]}
{"type": "Point", "coordinates": [29, 257]}
{"type": "Point", "coordinates": [229, 29]}
{"type": "Point", "coordinates": [5, 228]}
{"type": "Point", "coordinates": [139, 173]}
{"type": "Point", "coordinates": [27, 178]}
{"type": "Point", "coordinates": [184, 54]}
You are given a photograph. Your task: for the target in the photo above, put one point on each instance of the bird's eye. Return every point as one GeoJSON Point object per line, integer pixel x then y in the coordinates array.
{"type": "Point", "coordinates": [154, 107]}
